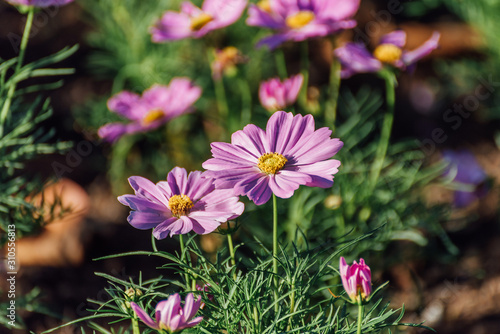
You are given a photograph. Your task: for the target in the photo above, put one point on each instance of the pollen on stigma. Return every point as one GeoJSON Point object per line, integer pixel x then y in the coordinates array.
{"type": "Point", "coordinates": [271, 163]}
{"type": "Point", "coordinates": [152, 116]}
{"type": "Point", "coordinates": [200, 21]}
{"type": "Point", "coordinates": [180, 205]}
{"type": "Point", "coordinates": [387, 53]}
{"type": "Point", "coordinates": [300, 19]}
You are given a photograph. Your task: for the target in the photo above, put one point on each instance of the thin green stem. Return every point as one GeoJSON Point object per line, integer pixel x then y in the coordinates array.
{"type": "Point", "coordinates": [275, 251]}
{"type": "Point", "coordinates": [183, 255]}
{"type": "Point", "coordinates": [360, 316]}
{"type": "Point", "coordinates": [256, 319]}
{"type": "Point", "coordinates": [246, 102]}
{"type": "Point", "coordinates": [304, 63]}
{"type": "Point", "coordinates": [279, 57]}
{"type": "Point", "coordinates": [153, 243]}
{"type": "Point", "coordinates": [220, 95]}
{"type": "Point", "coordinates": [135, 325]}
{"type": "Point", "coordinates": [22, 50]}
{"type": "Point", "coordinates": [231, 248]}
{"type": "Point", "coordinates": [386, 129]}
{"type": "Point", "coordinates": [333, 94]}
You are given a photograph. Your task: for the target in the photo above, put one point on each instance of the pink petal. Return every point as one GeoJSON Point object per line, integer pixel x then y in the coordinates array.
{"type": "Point", "coordinates": [145, 220]}
{"type": "Point", "coordinates": [425, 49]}
{"type": "Point", "coordinates": [261, 18]}
{"type": "Point", "coordinates": [281, 186]}
{"type": "Point", "coordinates": [123, 104]}
{"type": "Point", "coordinates": [177, 180]}
{"type": "Point", "coordinates": [147, 189]}
{"type": "Point", "coordinates": [198, 186]}
{"type": "Point", "coordinates": [204, 226]}
{"type": "Point", "coordinates": [252, 138]}
{"type": "Point", "coordinates": [143, 316]}
{"type": "Point", "coordinates": [336, 9]}
{"type": "Point", "coordinates": [191, 306]}
{"type": "Point", "coordinates": [162, 230]}
{"type": "Point", "coordinates": [141, 204]}
{"type": "Point", "coordinates": [172, 26]}
{"type": "Point", "coordinates": [397, 38]}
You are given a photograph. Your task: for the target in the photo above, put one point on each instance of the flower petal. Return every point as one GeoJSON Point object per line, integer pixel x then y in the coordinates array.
{"type": "Point", "coordinates": [124, 104]}
{"type": "Point", "coordinates": [147, 189]}
{"type": "Point", "coordinates": [425, 49]}
{"type": "Point", "coordinates": [397, 38]}
{"type": "Point", "coordinates": [162, 230]}
{"type": "Point", "coordinates": [177, 180]}
{"type": "Point", "coordinates": [143, 316]}
{"type": "Point", "coordinates": [141, 204]}
{"type": "Point", "coordinates": [146, 220]}
{"type": "Point", "coordinates": [355, 58]}
{"type": "Point", "coordinates": [172, 26]}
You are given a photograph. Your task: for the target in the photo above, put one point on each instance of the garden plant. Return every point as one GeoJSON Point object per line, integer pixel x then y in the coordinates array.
{"type": "Point", "coordinates": [220, 126]}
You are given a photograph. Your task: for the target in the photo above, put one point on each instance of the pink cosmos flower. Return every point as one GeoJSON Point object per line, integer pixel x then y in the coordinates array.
{"type": "Point", "coordinates": [298, 20]}
{"type": "Point", "coordinates": [181, 204]}
{"type": "Point", "coordinates": [356, 279]}
{"type": "Point", "coordinates": [355, 58]}
{"type": "Point", "coordinates": [39, 3]}
{"type": "Point", "coordinates": [289, 153]}
{"type": "Point", "coordinates": [169, 315]}
{"type": "Point", "coordinates": [195, 22]}
{"type": "Point", "coordinates": [155, 107]}
{"type": "Point", "coordinates": [275, 95]}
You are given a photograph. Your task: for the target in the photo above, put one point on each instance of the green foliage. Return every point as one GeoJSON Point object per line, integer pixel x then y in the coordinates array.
{"type": "Point", "coordinates": [24, 140]}
{"type": "Point", "coordinates": [240, 299]}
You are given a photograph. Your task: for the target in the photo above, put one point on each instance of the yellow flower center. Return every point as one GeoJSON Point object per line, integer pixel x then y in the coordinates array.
{"type": "Point", "coordinates": [230, 52]}
{"type": "Point", "coordinates": [302, 18]}
{"type": "Point", "coordinates": [271, 163]}
{"type": "Point", "coordinates": [387, 53]}
{"type": "Point", "coordinates": [180, 205]}
{"type": "Point", "coordinates": [264, 5]}
{"type": "Point", "coordinates": [152, 116]}
{"type": "Point", "coordinates": [199, 21]}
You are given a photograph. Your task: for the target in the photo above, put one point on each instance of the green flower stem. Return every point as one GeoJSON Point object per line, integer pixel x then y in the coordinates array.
{"type": "Point", "coordinates": [135, 325]}
{"type": "Point", "coordinates": [360, 316]}
{"type": "Point", "coordinates": [333, 93]}
{"type": "Point", "coordinates": [386, 128]}
{"type": "Point", "coordinates": [153, 243]}
{"type": "Point", "coordinates": [231, 248]}
{"type": "Point", "coordinates": [186, 277]}
{"type": "Point", "coordinates": [256, 318]}
{"type": "Point", "coordinates": [279, 57]}
{"type": "Point", "coordinates": [20, 59]}
{"type": "Point", "coordinates": [275, 251]}
{"type": "Point", "coordinates": [220, 91]}
{"type": "Point", "coordinates": [220, 95]}
{"type": "Point", "coordinates": [246, 102]}
{"type": "Point", "coordinates": [304, 63]}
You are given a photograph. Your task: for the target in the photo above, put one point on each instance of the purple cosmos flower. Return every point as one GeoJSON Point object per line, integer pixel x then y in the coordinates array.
{"type": "Point", "coordinates": [179, 205]}
{"type": "Point", "coordinates": [288, 154]}
{"type": "Point", "coordinates": [195, 22]}
{"type": "Point", "coordinates": [298, 20]}
{"type": "Point", "coordinates": [39, 3]}
{"type": "Point", "coordinates": [155, 107]}
{"type": "Point", "coordinates": [468, 173]}
{"type": "Point", "coordinates": [169, 315]}
{"type": "Point", "coordinates": [275, 95]}
{"type": "Point", "coordinates": [355, 58]}
{"type": "Point", "coordinates": [356, 279]}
